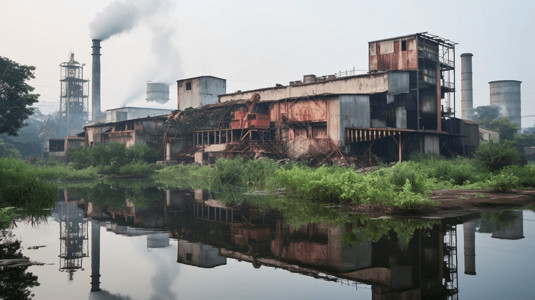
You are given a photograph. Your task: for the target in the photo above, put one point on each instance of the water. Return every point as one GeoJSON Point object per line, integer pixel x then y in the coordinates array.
{"type": "Point", "coordinates": [188, 246]}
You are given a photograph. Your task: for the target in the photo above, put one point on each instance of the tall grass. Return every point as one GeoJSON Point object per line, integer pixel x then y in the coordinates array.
{"type": "Point", "coordinates": [19, 187]}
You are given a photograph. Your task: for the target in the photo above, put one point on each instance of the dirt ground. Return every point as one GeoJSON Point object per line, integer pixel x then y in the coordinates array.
{"type": "Point", "coordinates": [479, 199]}
{"type": "Point", "coordinates": [457, 203]}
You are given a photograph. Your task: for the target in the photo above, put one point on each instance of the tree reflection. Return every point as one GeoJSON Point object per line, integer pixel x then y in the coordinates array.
{"type": "Point", "coordinates": [15, 281]}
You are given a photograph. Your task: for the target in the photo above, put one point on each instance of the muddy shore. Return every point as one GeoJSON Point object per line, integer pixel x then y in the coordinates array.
{"type": "Point", "coordinates": [457, 203]}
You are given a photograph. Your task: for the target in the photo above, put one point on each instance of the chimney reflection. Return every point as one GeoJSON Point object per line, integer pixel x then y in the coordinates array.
{"type": "Point", "coordinates": [469, 231]}
{"type": "Point", "coordinates": [95, 256]}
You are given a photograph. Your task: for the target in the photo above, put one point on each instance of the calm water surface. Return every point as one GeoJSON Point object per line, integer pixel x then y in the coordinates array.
{"type": "Point", "coordinates": [189, 246]}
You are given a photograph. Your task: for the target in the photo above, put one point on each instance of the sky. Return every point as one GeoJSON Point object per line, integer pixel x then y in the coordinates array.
{"type": "Point", "coordinates": [256, 44]}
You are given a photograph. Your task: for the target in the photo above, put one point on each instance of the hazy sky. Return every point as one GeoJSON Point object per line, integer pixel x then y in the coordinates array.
{"type": "Point", "coordinates": [255, 44]}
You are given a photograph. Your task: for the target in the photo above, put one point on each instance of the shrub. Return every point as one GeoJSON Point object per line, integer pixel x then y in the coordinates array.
{"type": "Point", "coordinates": [400, 173]}
{"type": "Point", "coordinates": [524, 174]}
{"type": "Point", "coordinates": [112, 157]}
{"type": "Point", "coordinates": [495, 156]}
{"type": "Point", "coordinates": [503, 182]}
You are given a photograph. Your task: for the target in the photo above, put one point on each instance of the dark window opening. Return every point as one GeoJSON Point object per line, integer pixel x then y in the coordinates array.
{"type": "Point", "coordinates": [189, 257]}
{"type": "Point", "coordinates": [403, 45]}
{"type": "Point", "coordinates": [188, 86]}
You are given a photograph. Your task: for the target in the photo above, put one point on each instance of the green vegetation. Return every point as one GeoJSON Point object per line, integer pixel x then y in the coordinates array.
{"type": "Point", "coordinates": [495, 156]}
{"type": "Point", "coordinates": [15, 283]}
{"type": "Point", "coordinates": [22, 189]}
{"type": "Point", "coordinates": [116, 159]}
{"type": "Point", "coordinates": [16, 98]}
{"type": "Point", "coordinates": [406, 186]}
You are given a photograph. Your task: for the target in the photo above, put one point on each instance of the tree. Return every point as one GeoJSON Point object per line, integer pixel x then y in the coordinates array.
{"type": "Point", "coordinates": [506, 128]}
{"type": "Point", "coordinates": [495, 156]}
{"type": "Point", "coordinates": [15, 95]}
{"type": "Point", "coordinates": [484, 115]}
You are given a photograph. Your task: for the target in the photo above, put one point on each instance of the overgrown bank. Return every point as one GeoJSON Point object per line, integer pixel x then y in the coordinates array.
{"type": "Point", "coordinates": [20, 188]}
{"type": "Point", "coordinates": [406, 186]}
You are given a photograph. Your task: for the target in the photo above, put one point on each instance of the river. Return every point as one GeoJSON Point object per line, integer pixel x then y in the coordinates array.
{"type": "Point", "coordinates": [188, 245]}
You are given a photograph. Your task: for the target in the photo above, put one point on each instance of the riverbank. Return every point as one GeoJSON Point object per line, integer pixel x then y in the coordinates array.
{"type": "Point", "coordinates": [455, 202]}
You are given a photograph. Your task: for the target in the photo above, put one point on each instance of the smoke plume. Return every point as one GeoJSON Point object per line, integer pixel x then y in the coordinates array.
{"type": "Point", "coordinates": [123, 16]}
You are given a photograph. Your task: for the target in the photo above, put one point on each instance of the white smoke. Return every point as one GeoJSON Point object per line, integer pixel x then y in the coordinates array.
{"type": "Point", "coordinates": [123, 16]}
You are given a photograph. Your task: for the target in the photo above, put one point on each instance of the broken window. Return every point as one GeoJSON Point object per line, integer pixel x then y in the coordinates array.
{"type": "Point", "coordinates": [404, 45]}
{"type": "Point", "coordinates": [188, 86]}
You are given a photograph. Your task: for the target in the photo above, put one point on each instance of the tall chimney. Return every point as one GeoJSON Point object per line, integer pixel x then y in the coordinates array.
{"type": "Point", "coordinates": [467, 97]}
{"type": "Point", "coordinates": [95, 84]}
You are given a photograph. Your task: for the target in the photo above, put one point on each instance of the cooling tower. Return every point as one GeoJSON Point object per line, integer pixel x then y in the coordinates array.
{"type": "Point", "coordinates": [505, 95]}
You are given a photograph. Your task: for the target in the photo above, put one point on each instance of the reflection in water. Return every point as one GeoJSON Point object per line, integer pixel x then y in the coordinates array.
{"type": "Point", "coordinates": [469, 230]}
{"type": "Point", "coordinates": [397, 259]}
{"type": "Point", "coordinates": [424, 266]}
{"type": "Point", "coordinates": [95, 256]}
{"type": "Point", "coordinates": [73, 236]}
{"type": "Point", "coordinates": [15, 281]}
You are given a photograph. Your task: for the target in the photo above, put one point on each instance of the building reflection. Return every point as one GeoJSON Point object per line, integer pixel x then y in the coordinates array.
{"type": "Point", "coordinates": [73, 234]}
{"type": "Point", "coordinates": [421, 265]}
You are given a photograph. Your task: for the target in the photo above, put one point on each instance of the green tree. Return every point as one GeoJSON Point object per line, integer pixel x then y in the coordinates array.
{"type": "Point", "coordinates": [484, 115]}
{"type": "Point", "coordinates": [505, 127]}
{"type": "Point", "coordinates": [494, 156]}
{"type": "Point", "coordinates": [8, 152]}
{"type": "Point", "coordinates": [15, 95]}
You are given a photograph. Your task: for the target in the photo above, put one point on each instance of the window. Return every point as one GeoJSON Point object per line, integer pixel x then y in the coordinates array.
{"type": "Point", "coordinates": [188, 86]}
{"type": "Point", "coordinates": [404, 45]}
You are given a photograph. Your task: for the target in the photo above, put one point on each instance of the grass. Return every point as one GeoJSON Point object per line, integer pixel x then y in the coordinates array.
{"type": "Point", "coordinates": [22, 189]}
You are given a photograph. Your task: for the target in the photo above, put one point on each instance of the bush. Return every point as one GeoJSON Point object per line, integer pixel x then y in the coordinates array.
{"type": "Point", "coordinates": [113, 157]}
{"type": "Point", "coordinates": [524, 174]}
{"type": "Point", "coordinates": [410, 171]}
{"type": "Point", "coordinates": [503, 182]}
{"type": "Point", "coordinates": [495, 156]}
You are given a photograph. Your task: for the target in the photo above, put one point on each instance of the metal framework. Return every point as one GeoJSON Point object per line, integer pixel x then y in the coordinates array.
{"type": "Point", "coordinates": [450, 282]}
{"type": "Point", "coordinates": [446, 61]}
{"type": "Point", "coordinates": [73, 233]}
{"type": "Point", "coordinates": [73, 101]}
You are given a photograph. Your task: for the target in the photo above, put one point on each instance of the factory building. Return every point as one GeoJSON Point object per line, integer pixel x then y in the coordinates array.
{"type": "Point", "coordinates": [403, 105]}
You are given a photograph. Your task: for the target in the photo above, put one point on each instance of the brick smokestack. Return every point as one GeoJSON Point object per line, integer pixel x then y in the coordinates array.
{"type": "Point", "coordinates": [95, 83]}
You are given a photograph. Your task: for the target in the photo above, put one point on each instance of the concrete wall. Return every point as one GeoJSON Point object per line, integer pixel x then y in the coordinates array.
{"type": "Point", "coordinates": [204, 90]}
{"type": "Point", "coordinates": [199, 254]}
{"type": "Point", "coordinates": [113, 115]}
{"type": "Point", "coordinates": [505, 95]}
{"type": "Point", "coordinates": [211, 88]}
{"type": "Point", "coordinates": [361, 84]}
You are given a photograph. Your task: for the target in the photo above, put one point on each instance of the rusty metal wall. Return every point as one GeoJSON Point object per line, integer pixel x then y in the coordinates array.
{"type": "Point", "coordinates": [389, 55]}
{"type": "Point", "coordinates": [299, 111]}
